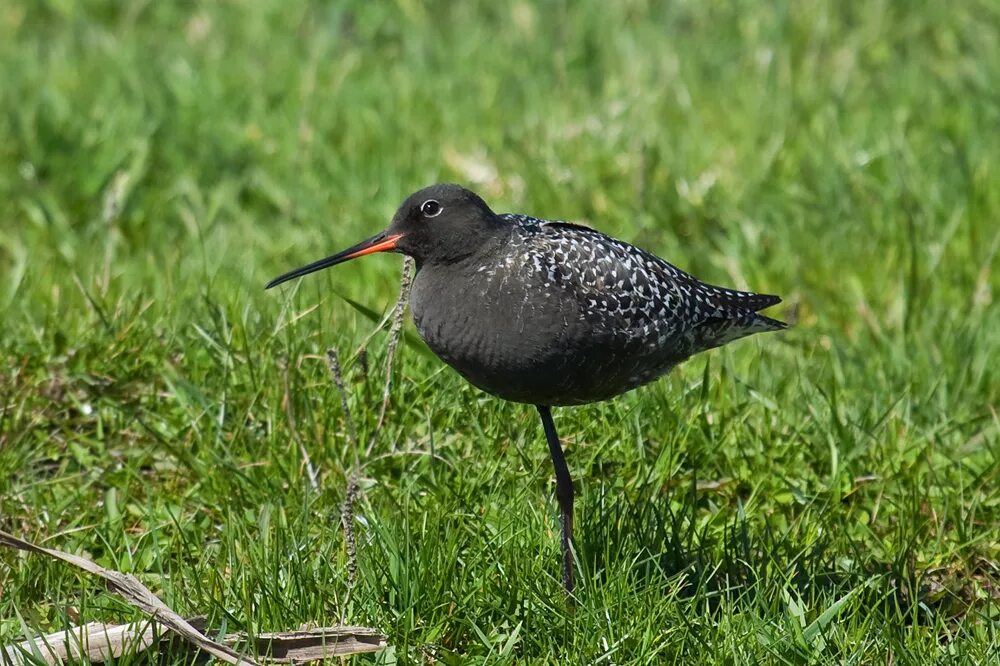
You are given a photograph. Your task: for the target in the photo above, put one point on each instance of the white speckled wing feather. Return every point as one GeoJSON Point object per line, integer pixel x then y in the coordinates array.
{"type": "Point", "coordinates": [633, 296]}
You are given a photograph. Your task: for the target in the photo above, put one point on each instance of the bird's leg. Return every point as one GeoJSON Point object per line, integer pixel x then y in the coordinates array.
{"type": "Point", "coordinates": [564, 493]}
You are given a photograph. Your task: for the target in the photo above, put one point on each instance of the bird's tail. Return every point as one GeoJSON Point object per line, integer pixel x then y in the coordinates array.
{"type": "Point", "coordinates": [740, 317]}
{"type": "Point", "coordinates": [742, 300]}
{"type": "Point", "coordinates": [763, 324]}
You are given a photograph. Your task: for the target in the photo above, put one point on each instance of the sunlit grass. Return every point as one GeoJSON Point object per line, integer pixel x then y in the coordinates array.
{"type": "Point", "coordinates": [828, 494]}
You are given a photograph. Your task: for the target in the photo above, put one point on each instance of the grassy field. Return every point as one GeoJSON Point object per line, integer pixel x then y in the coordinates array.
{"type": "Point", "coordinates": [830, 494]}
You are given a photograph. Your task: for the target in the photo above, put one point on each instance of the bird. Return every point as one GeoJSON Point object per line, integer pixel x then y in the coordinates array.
{"type": "Point", "coordinates": [547, 312]}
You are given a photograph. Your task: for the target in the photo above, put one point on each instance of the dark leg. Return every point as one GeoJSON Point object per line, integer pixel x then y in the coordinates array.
{"type": "Point", "coordinates": [564, 493]}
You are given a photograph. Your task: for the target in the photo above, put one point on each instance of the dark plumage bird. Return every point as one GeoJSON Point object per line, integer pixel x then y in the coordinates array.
{"type": "Point", "coordinates": [547, 312]}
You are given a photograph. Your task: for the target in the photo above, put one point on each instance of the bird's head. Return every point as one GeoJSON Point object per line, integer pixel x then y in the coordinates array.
{"type": "Point", "coordinates": [440, 224]}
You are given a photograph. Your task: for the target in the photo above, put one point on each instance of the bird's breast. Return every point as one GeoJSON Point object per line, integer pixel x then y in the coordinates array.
{"type": "Point", "coordinates": [514, 333]}
{"type": "Point", "coordinates": [486, 322]}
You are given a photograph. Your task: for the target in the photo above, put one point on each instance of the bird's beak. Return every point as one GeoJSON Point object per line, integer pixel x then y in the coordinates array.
{"type": "Point", "coordinates": [383, 242]}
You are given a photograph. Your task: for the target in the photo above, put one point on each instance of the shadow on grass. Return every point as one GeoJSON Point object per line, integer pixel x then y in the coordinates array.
{"type": "Point", "coordinates": [678, 542]}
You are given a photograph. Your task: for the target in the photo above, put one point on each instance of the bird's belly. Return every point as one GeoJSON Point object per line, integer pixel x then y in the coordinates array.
{"type": "Point", "coordinates": [548, 377]}
{"type": "Point", "coordinates": [529, 350]}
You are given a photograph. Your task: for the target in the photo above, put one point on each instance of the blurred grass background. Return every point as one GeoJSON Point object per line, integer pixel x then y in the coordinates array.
{"type": "Point", "coordinates": [825, 495]}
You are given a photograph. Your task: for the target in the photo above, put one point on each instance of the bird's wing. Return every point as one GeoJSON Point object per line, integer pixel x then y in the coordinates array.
{"type": "Point", "coordinates": [626, 291]}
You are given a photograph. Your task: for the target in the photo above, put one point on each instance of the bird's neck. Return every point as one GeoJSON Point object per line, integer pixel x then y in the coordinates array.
{"type": "Point", "coordinates": [463, 257]}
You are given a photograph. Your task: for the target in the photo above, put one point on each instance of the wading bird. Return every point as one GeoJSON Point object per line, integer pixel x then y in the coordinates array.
{"type": "Point", "coordinates": [549, 313]}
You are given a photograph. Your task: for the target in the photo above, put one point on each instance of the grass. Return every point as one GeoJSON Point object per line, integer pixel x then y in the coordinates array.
{"type": "Point", "coordinates": [826, 495]}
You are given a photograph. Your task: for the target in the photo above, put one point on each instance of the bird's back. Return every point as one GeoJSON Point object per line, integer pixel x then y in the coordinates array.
{"type": "Point", "coordinates": [562, 314]}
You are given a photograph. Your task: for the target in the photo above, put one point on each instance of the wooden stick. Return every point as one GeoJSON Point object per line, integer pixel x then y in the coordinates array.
{"type": "Point", "coordinates": [136, 594]}
{"type": "Point", "coordinates": [94, 642]}
{"type": "Point", "coordinates": [98, 642]}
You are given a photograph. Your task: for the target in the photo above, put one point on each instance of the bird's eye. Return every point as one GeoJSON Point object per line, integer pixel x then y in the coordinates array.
{"type": "Point", "coordinates": [431, 208]}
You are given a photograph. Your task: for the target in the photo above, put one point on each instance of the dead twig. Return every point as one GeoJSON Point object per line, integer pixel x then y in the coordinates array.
{"type": "Point", "coordinates": [100, 642]}
{"type": "Point", "coordinates": [95, 642]}
{"type": "Point", "coordinates": [138, 595]}
{"type": "Point", "coordinates": [347, 520]}
{"type": "Point", "coordinates": [333, 361]}
{"type": "Point", "coordinates": [395, 331]}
